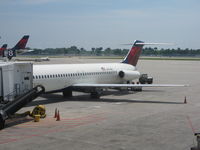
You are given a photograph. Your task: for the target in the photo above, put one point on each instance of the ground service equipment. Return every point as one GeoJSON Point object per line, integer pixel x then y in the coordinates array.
{"type": "Point", "coordinates": [11, 107]}
{"type": "Point", "coordinates": [145, 79]}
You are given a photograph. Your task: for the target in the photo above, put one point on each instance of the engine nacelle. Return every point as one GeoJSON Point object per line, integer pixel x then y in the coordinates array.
{"type": "Point", "coordinates": [128, 75]}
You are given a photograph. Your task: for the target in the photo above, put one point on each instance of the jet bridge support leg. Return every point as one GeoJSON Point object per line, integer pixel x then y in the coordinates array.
{"type": "Point", "coordinates": [96, 93]}
{"type": "Point", "coordinates": [67, 92]}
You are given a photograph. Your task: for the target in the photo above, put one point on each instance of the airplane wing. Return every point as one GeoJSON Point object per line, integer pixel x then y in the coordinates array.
{"type": "Point", "coordinates": [126, 85]}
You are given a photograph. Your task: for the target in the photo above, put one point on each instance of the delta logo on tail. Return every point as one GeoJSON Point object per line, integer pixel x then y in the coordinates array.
{"type": "Point", "coordinates": [22, 43]}
{"type": "Point", "coordinates": [134, 54]}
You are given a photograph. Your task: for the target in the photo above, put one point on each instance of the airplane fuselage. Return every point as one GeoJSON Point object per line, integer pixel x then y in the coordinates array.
{"type": "Point", "coordinates": [60, 76]}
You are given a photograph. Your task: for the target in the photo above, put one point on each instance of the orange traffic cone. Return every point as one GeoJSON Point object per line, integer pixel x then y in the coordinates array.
{"type": "Point", "coordinates": [58, 116]}
{"type": "Point", "coordinates": [56, 113]}
{"type": "Point", "coordinates": [185, 101]}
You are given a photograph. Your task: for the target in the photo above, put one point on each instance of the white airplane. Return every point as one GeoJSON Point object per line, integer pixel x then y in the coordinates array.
{"type": "Point", "coordinates": [92, 78]}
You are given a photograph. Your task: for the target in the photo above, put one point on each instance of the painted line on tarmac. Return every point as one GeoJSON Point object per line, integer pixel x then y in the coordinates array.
{"type": "Point", "coordinates": [59, 126]}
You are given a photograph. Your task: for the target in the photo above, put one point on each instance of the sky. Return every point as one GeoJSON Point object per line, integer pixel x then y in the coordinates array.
{"type": "Point", "coordinates": [100, 23]}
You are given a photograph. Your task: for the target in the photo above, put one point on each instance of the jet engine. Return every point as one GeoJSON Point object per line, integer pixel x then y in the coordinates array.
{"type": "Point", "coordinates": [128, 75]}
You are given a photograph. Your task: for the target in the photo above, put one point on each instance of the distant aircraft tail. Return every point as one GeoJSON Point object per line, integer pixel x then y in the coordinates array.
{"type": "Point", "coordinates": [20, 45]}
{"type": "Point", "coordinates": [2, 49]}
{"type": "Point", "coordinates": [134, 53]}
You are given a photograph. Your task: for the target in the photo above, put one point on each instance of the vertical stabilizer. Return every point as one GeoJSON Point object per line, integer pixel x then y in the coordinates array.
{"type": "Point", "coordinates": [22, 43]}
{"type": "Point", "coordinates": [2, 49]}
{"type": "Point", "coordinates": [134, 53]}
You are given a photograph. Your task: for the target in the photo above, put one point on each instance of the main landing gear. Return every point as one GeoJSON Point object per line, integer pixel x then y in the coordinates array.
{"type": "Point", "coordinates": [95, 95]}
{"type": "Point", "coordinates": [67, 92]}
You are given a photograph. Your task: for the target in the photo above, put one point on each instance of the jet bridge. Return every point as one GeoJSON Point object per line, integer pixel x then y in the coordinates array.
{"type": "Point", "coordinates": [16, 88]}
{"type": "Point", "coordinates": [16, 78]}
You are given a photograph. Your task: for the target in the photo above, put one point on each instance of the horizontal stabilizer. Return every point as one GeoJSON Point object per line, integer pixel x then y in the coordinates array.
{"type": "Point", "coordinates": [154, 43]}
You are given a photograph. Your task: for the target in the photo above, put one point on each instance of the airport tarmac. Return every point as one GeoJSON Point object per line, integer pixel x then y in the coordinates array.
{"type": "Point", "coordinates": [153, 119]}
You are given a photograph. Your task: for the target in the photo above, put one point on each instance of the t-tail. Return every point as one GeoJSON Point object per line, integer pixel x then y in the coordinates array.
{"type": "Point", "coordinates": [136, 50]}
{"type": "Point", "coordinates": [134, 53]}
{"type": "Point", "coordinates": [2, 49]}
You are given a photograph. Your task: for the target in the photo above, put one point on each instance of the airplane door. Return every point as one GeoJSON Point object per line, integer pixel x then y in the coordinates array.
{"type": "Point", "coordinates": [26, 81]}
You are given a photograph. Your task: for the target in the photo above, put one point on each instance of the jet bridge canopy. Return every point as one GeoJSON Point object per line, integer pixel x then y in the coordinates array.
{"type": "Point", "coordinates": [16, 78]}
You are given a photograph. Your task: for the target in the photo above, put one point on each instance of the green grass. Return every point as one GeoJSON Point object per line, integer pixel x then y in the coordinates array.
{"type": "Point", "coordinates": [121, 57]}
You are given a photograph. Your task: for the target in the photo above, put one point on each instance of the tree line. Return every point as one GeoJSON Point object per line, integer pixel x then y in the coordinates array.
{"type": "Point", "coordinates": [99, 51]}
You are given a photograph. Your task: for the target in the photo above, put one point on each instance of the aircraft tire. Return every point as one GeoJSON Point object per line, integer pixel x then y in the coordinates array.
{"type": "Point", "coordinates": [67, 92]}
{"type": "Point", "coordinates": [2, 123]}
{"type": "Point", "coordinates": [95, 95]}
